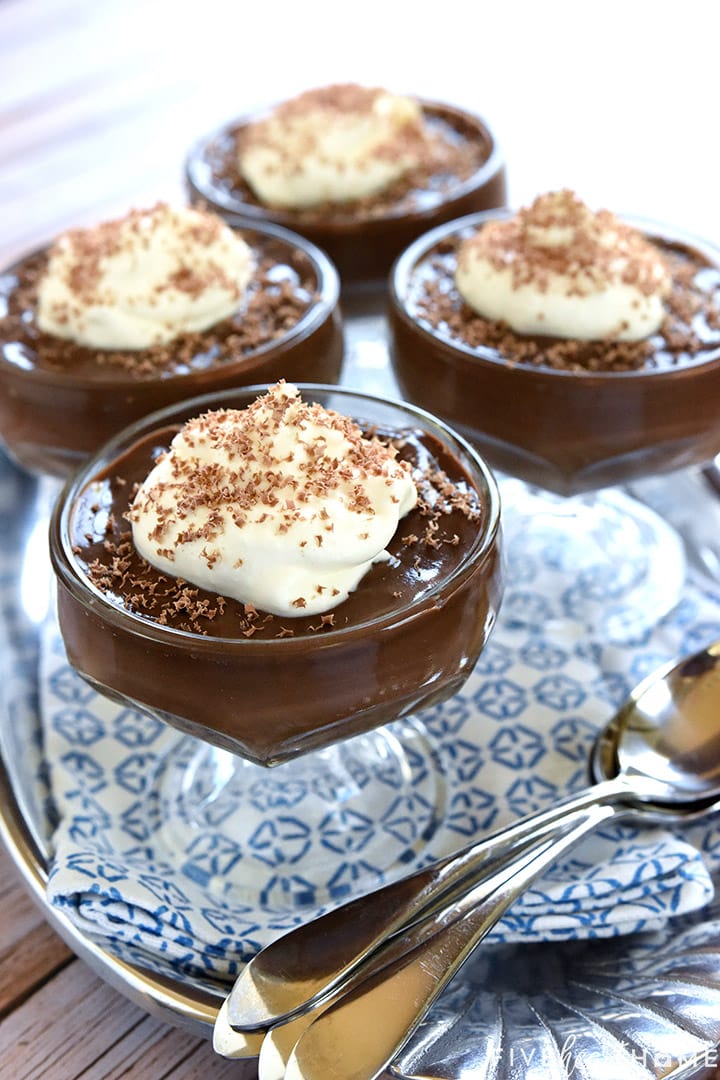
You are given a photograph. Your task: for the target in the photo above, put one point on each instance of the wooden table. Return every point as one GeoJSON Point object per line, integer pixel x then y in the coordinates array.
{"type": "Point", "coordinates": [60, 1021]}
{"type": "Point", "coordinates": [99, 102]}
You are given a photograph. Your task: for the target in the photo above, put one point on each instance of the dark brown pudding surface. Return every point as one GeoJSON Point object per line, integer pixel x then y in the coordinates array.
{"type": "Point", "coordinates": [281, 291]}
{"type": "Point", "coordinates": [60, 401]}
{"type": "Point", "coordinates": [689, 334]}
{"type": "Point", "coordinates": [364, 236]}
{"type": "Point", "coordinates": [270, 688]}
{"type": "Point", "coordinates": [566, 414]}
{"type": "Point", "coordinates": [431, 541]}
{"type": "Point", "coordinates": [457, 151]}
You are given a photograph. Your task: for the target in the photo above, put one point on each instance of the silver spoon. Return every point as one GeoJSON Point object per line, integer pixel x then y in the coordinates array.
{"type": "Point", "coordinates": [659, 755]}
{"type": "Point", "coordinates": [669, 731]}
{"type": "Point", "coordinates": [396, 955]}
{"type": "Point", "coordinates": [275, 1047]}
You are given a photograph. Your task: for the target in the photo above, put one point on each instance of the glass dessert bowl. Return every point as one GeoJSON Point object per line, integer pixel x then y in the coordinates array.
{"type": "Point", "coordinates": [566, 424]}
{"type": "Point", "coordinates": [269, 686]}
{"type": "Point", "coordinates": [570, 416]}
{"type": "Point", "coordinates": [63, 398]}
{"type": "Point", "coordinates": [453, 166]}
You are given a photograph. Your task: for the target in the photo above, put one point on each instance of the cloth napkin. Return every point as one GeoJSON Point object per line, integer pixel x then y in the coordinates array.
{"type": "Point", "coordinates": [202, 900]}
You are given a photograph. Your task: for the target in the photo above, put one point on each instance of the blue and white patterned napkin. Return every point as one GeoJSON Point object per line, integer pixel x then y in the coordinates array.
{"type": "Point", "coordinates": [202, 900]}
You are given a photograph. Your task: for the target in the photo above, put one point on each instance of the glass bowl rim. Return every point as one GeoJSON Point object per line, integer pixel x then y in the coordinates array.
{"type": "Point", "coordinates": [408, 259]}
{"type": "Point", "coordinates": [89, 596]}
{"type": "Point", "coordinates": [489, 168]}
{"type": "Point", "coordinates": [323, 303]}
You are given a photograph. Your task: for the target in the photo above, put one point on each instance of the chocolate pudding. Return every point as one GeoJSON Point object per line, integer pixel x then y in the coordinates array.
{"type": "Point", "coordinates": [566, 413]}
{"type": "Point", "coordinates": [363, 236]}
{"type": "Point", "coordinates": [62, 400]}
{"type": "Point", "coordinates": [269, 686]}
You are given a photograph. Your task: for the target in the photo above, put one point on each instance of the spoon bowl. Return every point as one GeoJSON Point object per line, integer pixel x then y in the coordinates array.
{"type": "Point", "coordinates": [668, 732]}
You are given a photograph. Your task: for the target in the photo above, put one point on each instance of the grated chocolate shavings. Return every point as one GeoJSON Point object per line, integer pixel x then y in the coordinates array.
{"type": "Point", "coordinates": [585, 260]}
{"type": "Point", "coordinates": [690, 330]}
{"type": "Point", "coordinates": [454, 149]}
{"type": "Point", "coordinates": [282, 290]}
{"type": "Point", "coordinates": [250, 437]}
{"type": "Point", "coordinates": [443, 525]}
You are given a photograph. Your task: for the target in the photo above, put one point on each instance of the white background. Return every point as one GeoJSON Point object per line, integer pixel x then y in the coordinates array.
{"type": "Point", "coordinates": [99, 101]}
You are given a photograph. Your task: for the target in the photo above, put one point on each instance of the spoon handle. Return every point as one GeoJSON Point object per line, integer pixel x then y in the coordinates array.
{"type": "Point", "coordinates": [280, 1040]}
{"type": "Point", "coordinates": [300, 967]}
{"type": "Point", "coordinates": [392, 1003]}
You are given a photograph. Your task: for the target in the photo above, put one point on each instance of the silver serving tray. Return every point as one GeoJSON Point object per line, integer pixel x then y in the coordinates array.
{"type": "Point", "coordinates": [642, 1007]}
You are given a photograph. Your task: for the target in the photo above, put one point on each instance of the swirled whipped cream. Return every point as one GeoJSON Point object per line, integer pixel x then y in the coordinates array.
{"type": "Point", "coordinates": [335, 144]}
{"type": "Point", "coordinates": [559, 269]}
{"type": "Point", "coordinates": [283, 505]}
{"type": "Point", "coordinates": [143, 279]}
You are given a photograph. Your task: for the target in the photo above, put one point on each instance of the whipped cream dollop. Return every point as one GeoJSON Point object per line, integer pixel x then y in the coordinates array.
{"type": "Point", "coordinates": [284, 505]}
{"type": "Point", "coordinates": [559, 269]}
{"type": "Point", "coordinates": [143, 279]}
{"type": "Point", "coordinates": [335, 144]}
